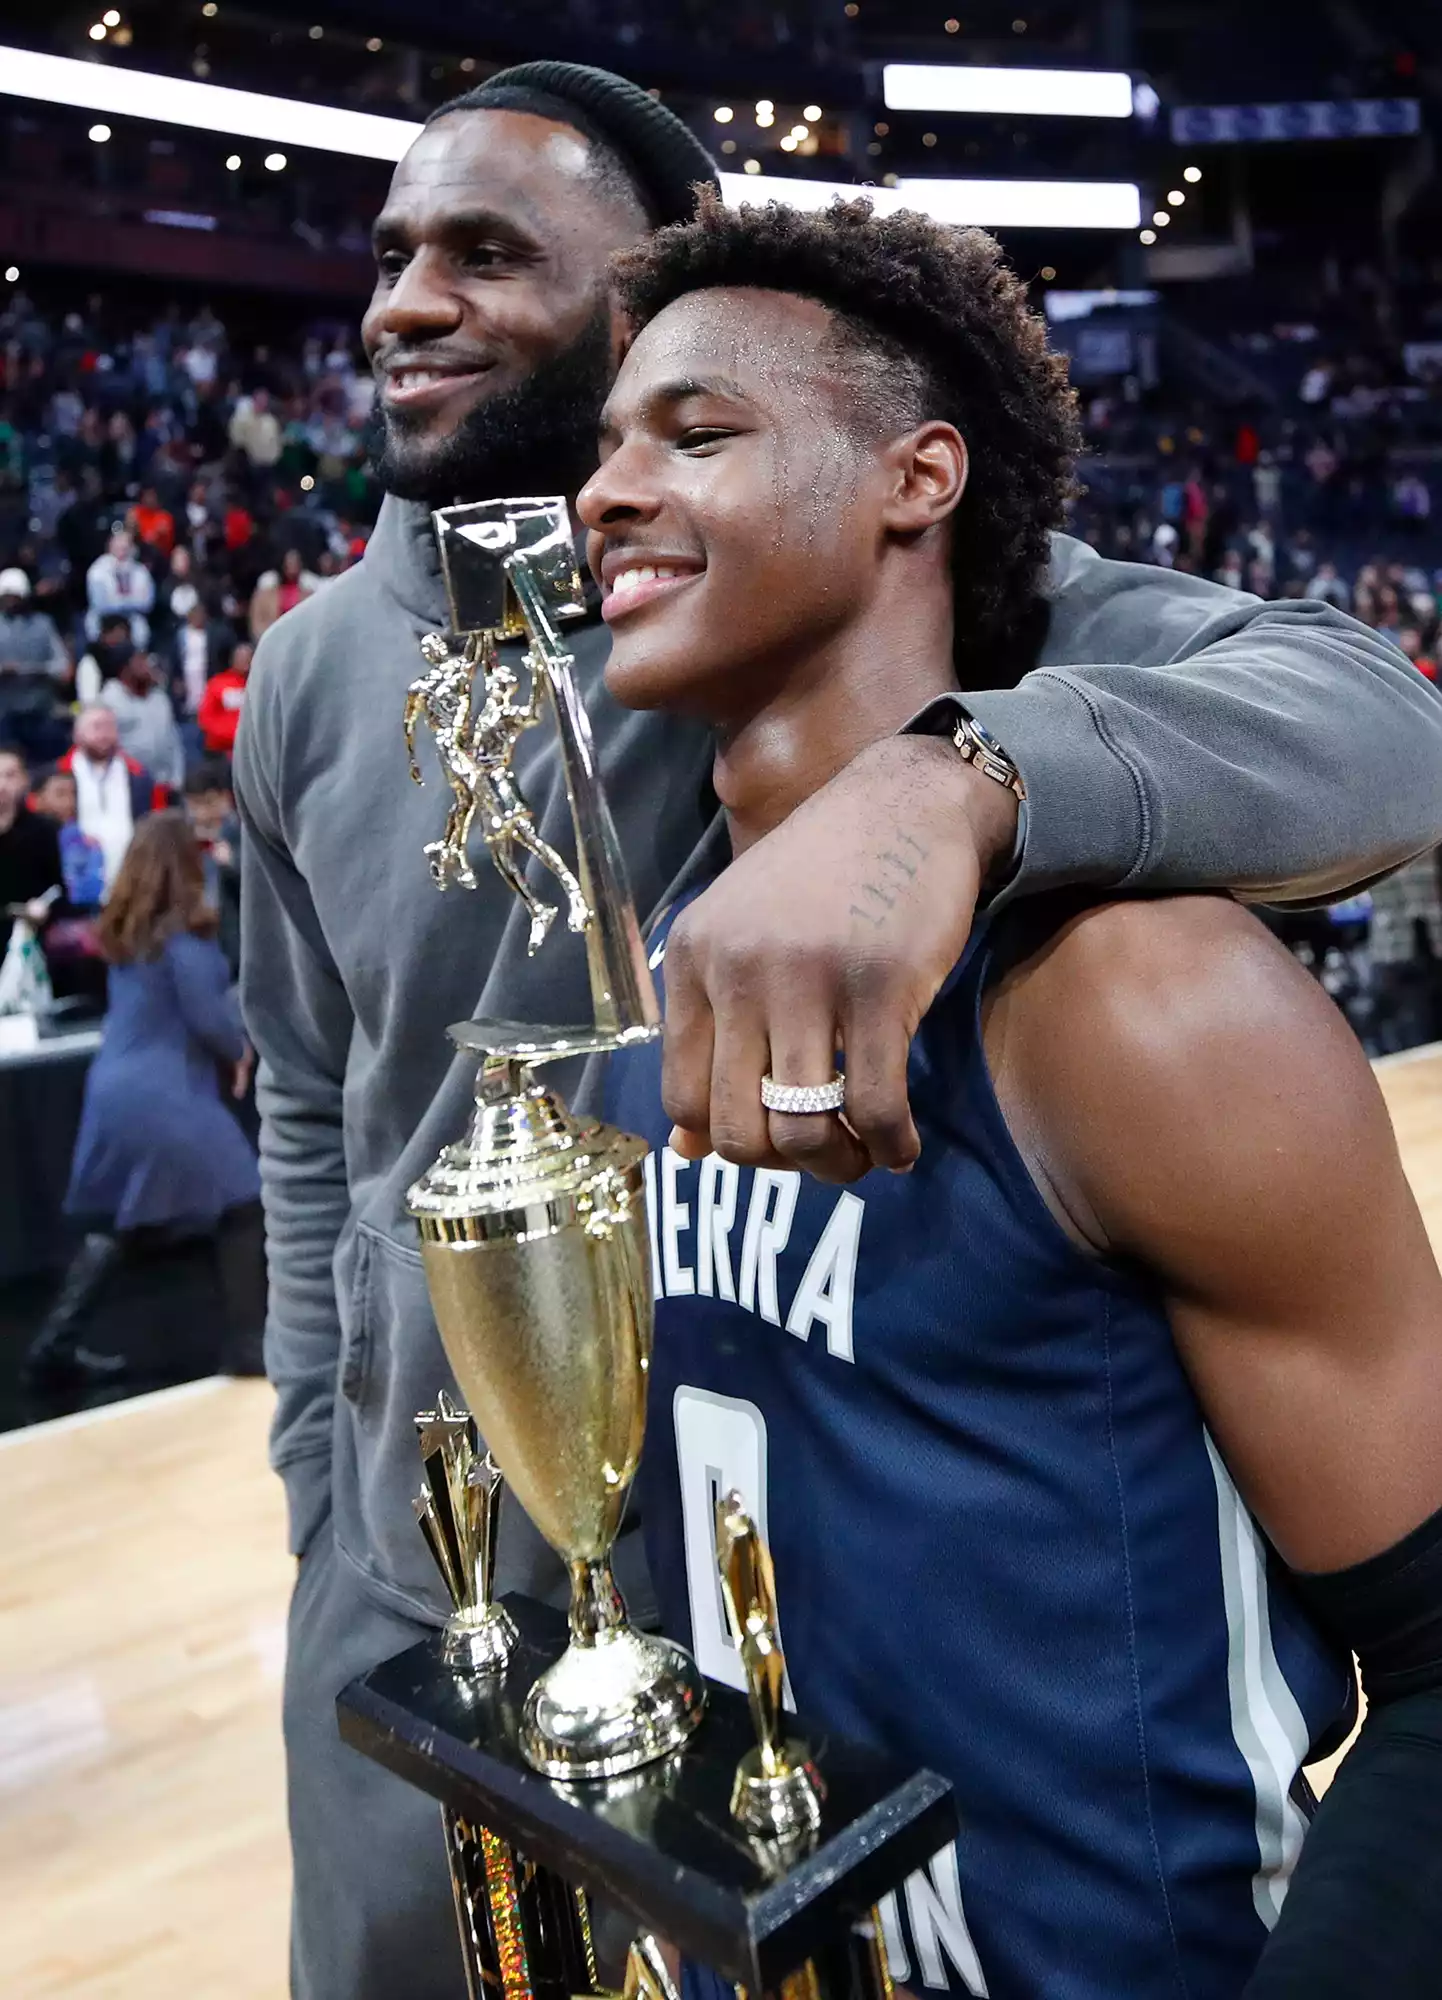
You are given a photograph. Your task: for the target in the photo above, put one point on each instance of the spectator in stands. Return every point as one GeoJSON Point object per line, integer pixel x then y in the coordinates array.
{"type": "Point", "coordinates": [118, 581]}
{"type": "Point", "coordinates": [200, 649]}
{"type": "Point", "coordinates": [210, 809]}
{"type": "Point", "coordinates": [1329, 587]}
{"type": "Point", "coordinates": [112, 793]}
{"type": "Point", "coordinates": [30, 867]}
{"type": "Point", "coordinates": [34, 664]}
{"type": "Point", "coordinates": [158, 1154]}
{"type": "Point", "coordinates": [255, 431]}
{"type": "Point", "coordinates": [224, 698]}
{"type": "Point", "coordinates": [105, 658]}
{"type": "Point", "coordinates": [72, 950]}
{"type": "Point", "coordinates": [177, 592]}
{"type": "Point", "coordinates": [1411, 502]}
{"type": "Point", "coordinates": [199, 520]}
{"type": "Point", "coordinates": [82, 860]}
{"type": "Point", "coordinates": [1411, 642]}
{"type": "Point", "coordinates": [1405, 950]}
{"type": "Point", "coordinates": [146, 720]}
{"type": "Point", "coordinates": [279, 591]}
{"type": "Point", "coordinates": [152, 524]}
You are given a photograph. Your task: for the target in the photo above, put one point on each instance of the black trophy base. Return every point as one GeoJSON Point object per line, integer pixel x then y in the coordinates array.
{"type": "Point", "coordinates": [660, 1842]}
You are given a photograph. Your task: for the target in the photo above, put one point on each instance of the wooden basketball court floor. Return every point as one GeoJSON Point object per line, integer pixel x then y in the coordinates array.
{"type": "Point", "coordinates": [143, 1588]}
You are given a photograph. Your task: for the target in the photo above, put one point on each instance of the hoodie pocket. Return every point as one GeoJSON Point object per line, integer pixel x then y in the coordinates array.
{"type": "Point", "coordinates": [392, 1366]}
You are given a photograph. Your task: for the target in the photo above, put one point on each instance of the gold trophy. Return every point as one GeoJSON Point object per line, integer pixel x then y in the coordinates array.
{"type": "Point", "coordinates": [777, 1793]}
{"type": "Point", "coordinates": [532, 1227]}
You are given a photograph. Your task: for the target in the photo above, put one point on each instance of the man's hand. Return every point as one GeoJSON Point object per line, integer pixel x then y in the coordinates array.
{"type": "Point", "coordinates": [835, 932]}
{"type": "Point", "coordinates": [240, 1074]}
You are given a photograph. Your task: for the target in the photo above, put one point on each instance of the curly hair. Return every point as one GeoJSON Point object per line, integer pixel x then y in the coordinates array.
{"type": "Point", "coordinates": [930, 324]}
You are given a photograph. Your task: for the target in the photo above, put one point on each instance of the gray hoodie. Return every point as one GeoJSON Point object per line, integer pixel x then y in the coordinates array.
{"type": "Point", "coordinates": [1174, 734]}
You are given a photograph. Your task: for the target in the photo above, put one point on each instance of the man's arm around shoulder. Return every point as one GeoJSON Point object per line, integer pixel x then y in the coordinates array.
{"type": "Point", "coordinates": [1181, 735]}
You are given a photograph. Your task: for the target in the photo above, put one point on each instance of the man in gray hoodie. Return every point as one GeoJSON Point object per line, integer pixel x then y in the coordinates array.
{"type": "Point", "coordinates": [1169, 733]}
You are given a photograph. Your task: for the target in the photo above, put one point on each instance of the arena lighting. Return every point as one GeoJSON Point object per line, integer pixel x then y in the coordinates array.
{"type": "Point", "coordinates": [765, 118]}
{"type": "Point", "coordinates": [1149, 236]}
{"type": "Point", "coordinates": [723, 114]}
{"type": "Point", "coordinates": [232, 163]}
{"type": "Point", "coordinates": [98, 31]}
{"type": "Point", "coordinates": [1176, 197]}
{"type": "Point", "coordinates": [812, 113]}
{"type": "Point", "coordinates": [12, 274]}
{"type": "Point", "coordinates": [111, 17]}
{"type": "Point", "coordinates": [275, 163]}
{"type": "Point", "coordinates": [247, 114]}
{"type": "Point", "coordinates": [99, 133]}
{"type": "Point", "coordinates": [984, 204]}
{"type": "Point", "coordinates": [1161, 218]}
{"type": "Point", "coordinates": [1192, 174]}
{"type": "Point", "coordinates": [1037, 93]}
{"type": "Point", "coordinates": [205, 107]}
{"type": "Point", "coordinates": [764, 107]}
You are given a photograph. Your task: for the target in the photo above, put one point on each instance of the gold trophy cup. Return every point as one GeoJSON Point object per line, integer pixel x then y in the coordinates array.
{"type": "Point", "coordinates": [532, 1227]}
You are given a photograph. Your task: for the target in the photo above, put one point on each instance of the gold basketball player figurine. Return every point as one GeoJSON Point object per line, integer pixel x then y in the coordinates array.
{"type": "Point", "coordinates": [475, 751]}
{"type": "Point", "coordinates": [778, 1792]}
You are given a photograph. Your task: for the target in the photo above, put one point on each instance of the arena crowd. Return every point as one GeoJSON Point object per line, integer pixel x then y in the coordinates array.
{"type": "Point", "coordinates": [167, 492]}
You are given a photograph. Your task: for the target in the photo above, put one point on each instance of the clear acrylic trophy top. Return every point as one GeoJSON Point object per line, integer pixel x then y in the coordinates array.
{"type": "Point", "coordinates": [510, 571]}
{"type": "Point", "coordinates": [481, 545]}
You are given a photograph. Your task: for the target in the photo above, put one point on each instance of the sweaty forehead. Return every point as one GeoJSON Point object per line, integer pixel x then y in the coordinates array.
{"type": "Point", "coordinates": [512, 162]}
{"type": "Point", "coordinates": [771, 345]}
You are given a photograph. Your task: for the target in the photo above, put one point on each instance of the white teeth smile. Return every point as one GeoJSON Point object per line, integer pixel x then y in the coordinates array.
{"type": "Point", "coordinates": [632, 579]}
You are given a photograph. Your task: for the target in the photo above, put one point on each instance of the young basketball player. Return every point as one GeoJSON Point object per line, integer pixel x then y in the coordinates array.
{"type": "Point", "coordinates": [1090, 1448]}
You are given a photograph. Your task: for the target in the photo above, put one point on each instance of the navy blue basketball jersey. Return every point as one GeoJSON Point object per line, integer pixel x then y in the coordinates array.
{"type": "Point", "coordinates": [1005, 1546]}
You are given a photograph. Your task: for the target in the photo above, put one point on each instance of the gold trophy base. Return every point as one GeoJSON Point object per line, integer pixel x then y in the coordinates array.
{"type": "Point", "coordinates": [782, 1805]}
{"type": "Point", "coordinates": [480, 1639]}
{"type": "Point", "coordinates": [608, 1706]}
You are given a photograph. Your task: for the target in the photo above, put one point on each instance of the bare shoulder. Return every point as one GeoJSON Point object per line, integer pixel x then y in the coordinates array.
{"type": "Point", "coordinates": [1150, 1048]}
{"type": "Point", "coordinates": [1159, 979]}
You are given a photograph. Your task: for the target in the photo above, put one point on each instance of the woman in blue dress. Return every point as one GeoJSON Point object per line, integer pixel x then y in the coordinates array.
{"type": "Point", "coordinates": [158, 1154]}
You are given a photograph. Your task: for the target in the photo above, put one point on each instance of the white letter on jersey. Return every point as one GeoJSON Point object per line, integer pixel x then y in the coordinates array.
{"type": "Point", "coordinates": [715, 1213]}
{"type": "Point", "coordinates": [826, 1289]}
{"type": "Point", "coordinates": [933, 1909]}
{"type": "Point", "coordinates": [675, 1216]}
{"type": "Point", "coordinates": [651, 1222]}
{"type": "Point", "coordinates": [767, 1230]}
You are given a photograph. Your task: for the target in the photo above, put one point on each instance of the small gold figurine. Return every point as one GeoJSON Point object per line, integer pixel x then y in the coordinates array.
{"type": "Point", "coordinates": [475, 752]}
{"type": "Point", "coordinates": [778, 1792]}
{"type": "Point", "coordinates": [458, 1511]}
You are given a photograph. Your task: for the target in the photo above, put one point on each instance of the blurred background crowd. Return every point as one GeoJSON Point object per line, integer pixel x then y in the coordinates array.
{"type": "Point", "coordinates": [184, 404]}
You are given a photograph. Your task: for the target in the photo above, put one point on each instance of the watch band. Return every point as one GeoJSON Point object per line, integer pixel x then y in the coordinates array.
{"type": "Point", "coordinates": [980, 749]}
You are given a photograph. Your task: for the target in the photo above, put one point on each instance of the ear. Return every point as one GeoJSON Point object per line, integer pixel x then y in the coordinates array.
{"type": "Point", "coordinates": [929, 468]}
{"type": "Point", "coordinates": [623, 333]}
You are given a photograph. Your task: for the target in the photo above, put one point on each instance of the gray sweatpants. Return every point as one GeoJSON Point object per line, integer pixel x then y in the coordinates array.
{"type": "Point", "coordinates": [372, 1916]}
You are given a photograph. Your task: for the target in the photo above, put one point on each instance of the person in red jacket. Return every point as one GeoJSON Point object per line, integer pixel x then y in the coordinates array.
{"type": "Point", "coordinates": [220, 705]}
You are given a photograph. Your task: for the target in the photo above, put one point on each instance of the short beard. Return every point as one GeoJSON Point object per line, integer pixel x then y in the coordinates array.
{"type": "Point", "coordinates": [538, 437]}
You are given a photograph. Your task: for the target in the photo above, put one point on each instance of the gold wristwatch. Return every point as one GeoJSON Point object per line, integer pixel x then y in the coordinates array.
{"type": "Point", "coordinates": [980, 748]}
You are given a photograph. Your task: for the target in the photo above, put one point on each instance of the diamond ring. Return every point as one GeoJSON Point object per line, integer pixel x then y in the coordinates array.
{"type": "Point", "coordinates": [803, 1096]}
